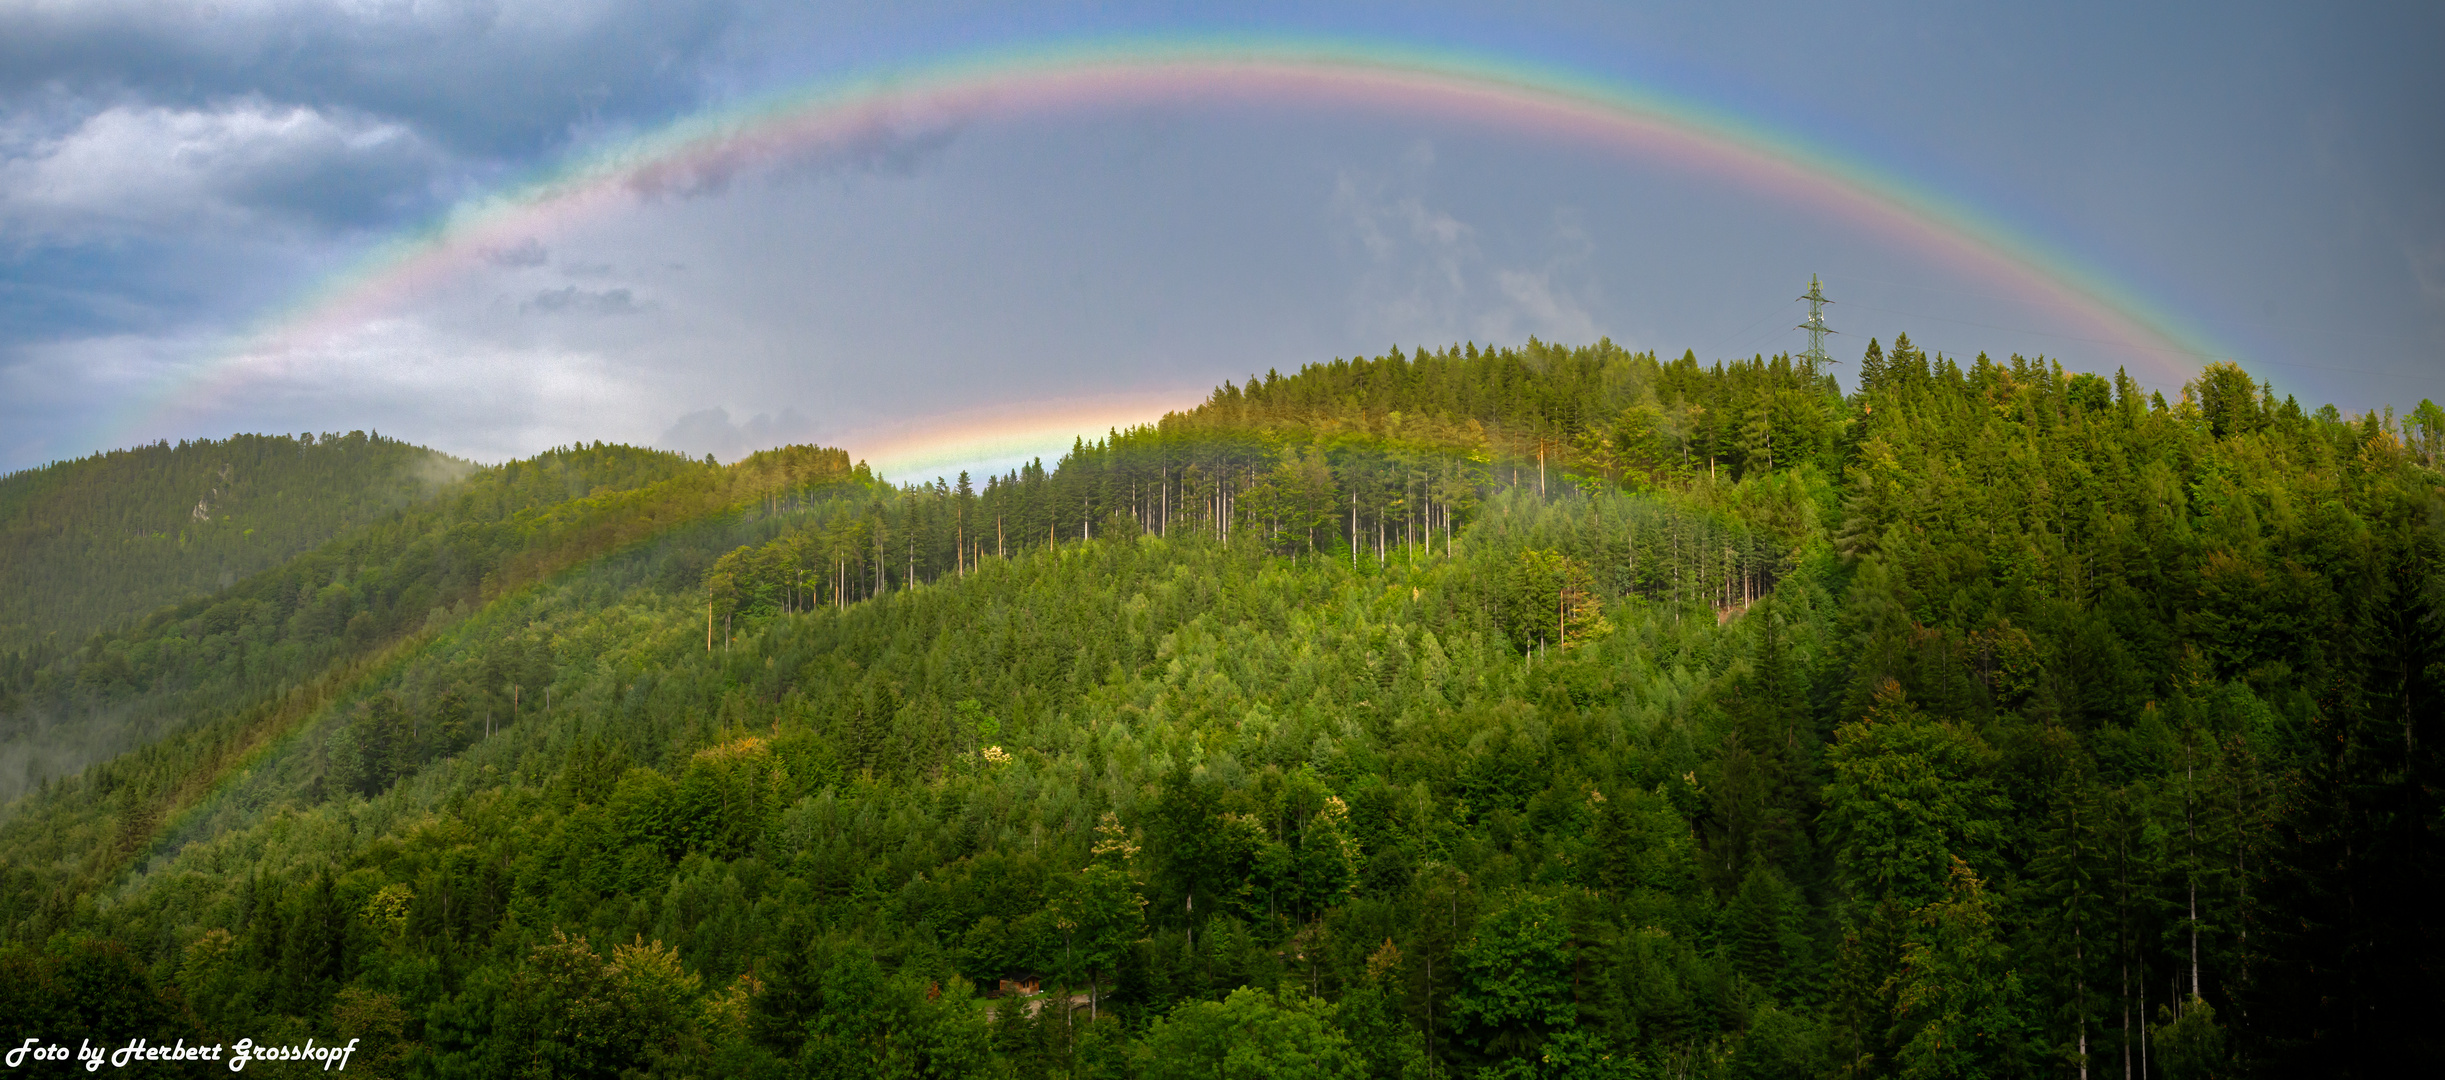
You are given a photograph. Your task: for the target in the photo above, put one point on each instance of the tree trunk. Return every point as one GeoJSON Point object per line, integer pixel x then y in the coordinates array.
{"type": "Point", "coordinates": [2190, 823]}
{"type": "Point", "coordinates": [2079, 953]}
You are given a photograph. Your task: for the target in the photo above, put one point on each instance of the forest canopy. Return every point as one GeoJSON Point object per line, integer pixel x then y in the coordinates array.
{"type": "Point", "coordinates": [1503, 712]}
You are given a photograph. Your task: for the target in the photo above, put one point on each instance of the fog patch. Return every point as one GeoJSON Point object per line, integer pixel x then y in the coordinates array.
{"type": "Point", "coordinates": [39, 746]}
{"type": "Point", "coordinates": [439, 470]}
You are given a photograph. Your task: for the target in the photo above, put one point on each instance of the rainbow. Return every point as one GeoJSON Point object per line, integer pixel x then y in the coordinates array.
{"type": "Point", "coordinates": [1510, 95]}
{"type": "Point", "coordinates": [1000, 437]}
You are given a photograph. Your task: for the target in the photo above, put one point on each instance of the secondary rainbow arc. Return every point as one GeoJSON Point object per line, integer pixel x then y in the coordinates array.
{"type": "Point", "coordinates": [1512, 94]}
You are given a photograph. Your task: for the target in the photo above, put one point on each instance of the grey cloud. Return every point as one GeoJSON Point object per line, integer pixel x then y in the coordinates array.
{"type": "Point", "coordinates": [1426, 276]}
{"type": "Point", "coordinates": [524, 253]}
{"type": "Point", "coordinates": [887, 144]}
{"type": "Point", "coordinates": [243, 162]}
{"type": "Point", "coordinates": [894, 147]}
{"type": "Point", "coordinates": [570, 298]}
{"type": "Point", "coordinates": [711, 431]}
{"type": "Point", "coordinates": [1538, 302]}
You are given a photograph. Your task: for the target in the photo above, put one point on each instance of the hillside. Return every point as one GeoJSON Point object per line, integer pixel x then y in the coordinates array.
{"type": "Point", "coordinates": [1512, 712]}
{"type": "Point", "coordinates": [94, 543]}
{"type": "Point", "coordinates": [220, 663]}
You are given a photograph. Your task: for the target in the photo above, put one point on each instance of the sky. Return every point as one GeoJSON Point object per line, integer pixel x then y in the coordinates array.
{"type": "Point", "coordinates": [202, 207]}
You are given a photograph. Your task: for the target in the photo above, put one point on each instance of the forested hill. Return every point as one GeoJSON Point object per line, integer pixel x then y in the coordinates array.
{"type": "Point", "coordinates": [91, 544]}
{"type": "Point", "coordinates": [209, 675]}
{"type": "Point", "coordinates": [1516, 712]}
{"type": "Point", "coordinates": [1625, 416]}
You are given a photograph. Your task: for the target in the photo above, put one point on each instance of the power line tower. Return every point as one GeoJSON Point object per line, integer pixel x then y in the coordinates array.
{"type": "Point", "coordinates": [1816, 324]}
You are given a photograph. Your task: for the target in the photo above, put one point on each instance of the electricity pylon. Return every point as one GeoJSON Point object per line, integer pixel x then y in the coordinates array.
{"type": "Point", "coordinates": [1816, 324]}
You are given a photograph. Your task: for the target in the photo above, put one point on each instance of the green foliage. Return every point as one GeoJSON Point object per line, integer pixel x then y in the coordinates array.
{"type": "Point", "coordinates": [1515, 970]}
{"type": "Point", "coordinates": [1371, 1016]}
{"type": "Point", "coordinates": [1542, 711]}
{"type": "Point", "coordinates": [574, 1013]}
{"type": "Point", "coordinates": [1252, 1035]}
{"type": "Point", "coordinates": [1099, 913]}
{"type": "Point", "coordinates": [2190, 1043]}
{"type": "Point", "coordinates": [1959, 999]}
{"type": "Point", "coordinates": [1908, 798]}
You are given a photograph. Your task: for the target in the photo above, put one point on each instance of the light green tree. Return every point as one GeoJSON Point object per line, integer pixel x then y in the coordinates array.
{"type": "Point", "coordinates": [1909, 795]}
{"type": "Point", "coordinates": [1251, 1035]}
{"type": "Point", "coordinates": [1515, 977]}
{"type": "Point", "coordinates": [1099, 911]}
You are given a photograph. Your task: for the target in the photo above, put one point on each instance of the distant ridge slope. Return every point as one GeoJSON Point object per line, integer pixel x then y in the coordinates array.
{"type": "Point", "coordinates": [195, 689]}
{"type": "Point", "coordinates": [92, 544]}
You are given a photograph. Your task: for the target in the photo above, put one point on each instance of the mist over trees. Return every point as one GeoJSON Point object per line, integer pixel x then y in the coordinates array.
{"type": "Point", "coordinates": [1501, 712]}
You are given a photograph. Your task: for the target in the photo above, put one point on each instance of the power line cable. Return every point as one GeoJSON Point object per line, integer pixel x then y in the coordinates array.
{"type": "Point", "coordinates": [1751, 325]}
{"type": "Point", "coordinates": [1752, 343]}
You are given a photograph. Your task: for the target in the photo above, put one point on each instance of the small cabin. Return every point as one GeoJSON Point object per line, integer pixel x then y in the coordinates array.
{"type": "Point", "coordinates": [1024, 986]}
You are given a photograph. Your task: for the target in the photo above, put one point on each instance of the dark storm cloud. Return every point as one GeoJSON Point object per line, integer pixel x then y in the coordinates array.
{"type": "Point", "coordinates": [163, 163]}
{"type": "Point", "coordinates": [480, 77]}
{"type": "Point", "coordinates": [339, 182]}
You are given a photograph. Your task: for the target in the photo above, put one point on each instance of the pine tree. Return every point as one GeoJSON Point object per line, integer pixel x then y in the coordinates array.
{"type": "Point", "coordinates": [1872, 370]}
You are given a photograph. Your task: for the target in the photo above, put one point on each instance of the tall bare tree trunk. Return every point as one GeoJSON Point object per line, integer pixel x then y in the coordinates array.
{"type": "Point", "coordinates": [2079, 953]}
{"type": "Point", "coordinates": [2190, 823]}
